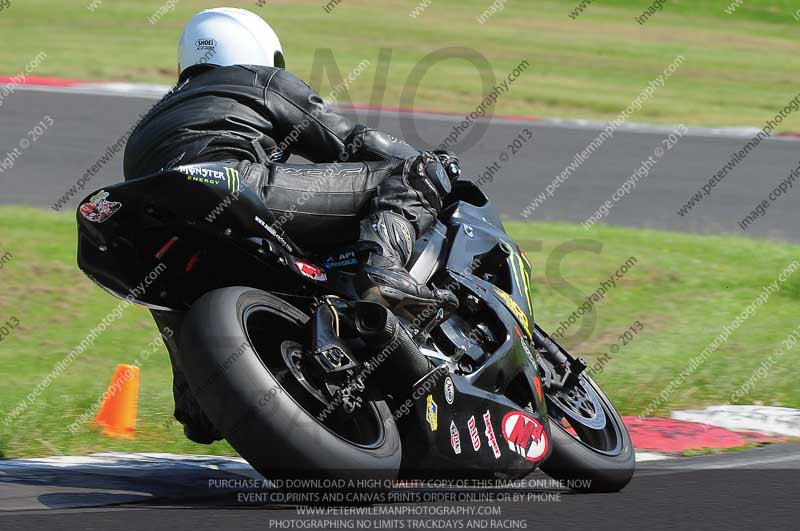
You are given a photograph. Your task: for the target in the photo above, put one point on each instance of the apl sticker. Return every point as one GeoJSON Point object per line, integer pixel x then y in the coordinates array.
{"type": "Point", "coordinates": [473, 434]}
{"type": "Point", "coordinates": [449, 390]}
{"type": "Point", "coordinates": [99, 208]}
{"type": "Point", "coordinates": [455, 438]}
{"type": "Point", "coordinates": [311, 271]}
{"type": "Point", "coordinates": [344, 259]}
{"type": "Point", "coordinates": [432, 413]}
{"type": "Point", "coordinates": [487, 419]}
{"type": "Point", "coordinates": [525, 435]}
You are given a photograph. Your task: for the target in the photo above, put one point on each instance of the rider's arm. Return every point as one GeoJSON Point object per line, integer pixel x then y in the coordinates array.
{"type": "Point", "coordinates": [308, 128]}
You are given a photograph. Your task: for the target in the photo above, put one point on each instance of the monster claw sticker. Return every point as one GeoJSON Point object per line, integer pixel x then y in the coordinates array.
{"type": "Point", "coordinates": [99, 208]}
{"type": "Point", "coordinates": [233, 179]}
{"type": "Point", "coordinates": [432, 413]}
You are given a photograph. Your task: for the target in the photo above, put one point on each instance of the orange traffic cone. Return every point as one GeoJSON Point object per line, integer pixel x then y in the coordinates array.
{"type": "Point", "coordinates": [117, 415]}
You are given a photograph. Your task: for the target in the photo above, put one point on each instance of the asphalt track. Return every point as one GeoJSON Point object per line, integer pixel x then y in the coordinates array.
{"type": "Point", "coordinates": [752, 489]}
{"type": "Point", "coordinates": [86, 124]}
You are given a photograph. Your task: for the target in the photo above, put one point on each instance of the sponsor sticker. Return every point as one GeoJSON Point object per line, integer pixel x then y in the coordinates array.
{"type": "Point", "coordinates": [229, 176]}
{"type": "Point", "coordinates": [432, 413]}
{"type": "Point", "coordinates": [205, 44]}
{"type": "Point", "coordinates": [274, 233]}
{"type": "Point", "coordinates": [527, 350]}
{"type": "Point", "coordinates": [455, 438]}
{"type": "Point", "coordinates": [233, 179]}
{"type": "Point", "coordinates": [525, 435]}
{"type": "Point", "coordinates": [344, 259]}
{"type": "Point", "coordinates": [99, 208]}
{"type": "Point", "coordinates": [449, 390]}
{"type": "Point", "coordinates": [311, 271]}
{"type": "Point", "coordinates": [473, 434]}
{"type": "Point", "coordinates": [487, 419]}
{"type": "Point", "coordinates": [328, 172]}
{"type": "Point", "coordinates": [341, 263]}
{"type": "Point", "coordinates": [512, 305]}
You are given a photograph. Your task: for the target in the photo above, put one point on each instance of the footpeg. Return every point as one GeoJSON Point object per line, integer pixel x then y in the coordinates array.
{"type": "Point", "coordinates": [425, 332]}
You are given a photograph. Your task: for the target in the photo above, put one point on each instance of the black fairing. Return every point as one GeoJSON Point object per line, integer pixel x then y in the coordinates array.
{"type": "Point", "coordinates": [220, 240]}
{"type": "Point", "coordinates": [495, 381]}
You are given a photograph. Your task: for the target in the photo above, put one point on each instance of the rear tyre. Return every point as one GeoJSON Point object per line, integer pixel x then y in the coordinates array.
{"type": "Point", "coordinates": [247, 375]}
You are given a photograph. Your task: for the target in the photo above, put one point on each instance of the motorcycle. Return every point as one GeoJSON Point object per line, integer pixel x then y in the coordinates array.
{"type": "Point", "coordinates": [304, 379]}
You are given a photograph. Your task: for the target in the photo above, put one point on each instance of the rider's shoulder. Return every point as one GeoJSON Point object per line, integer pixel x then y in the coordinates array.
{"type": "Point", "coordinates": [281, 80]}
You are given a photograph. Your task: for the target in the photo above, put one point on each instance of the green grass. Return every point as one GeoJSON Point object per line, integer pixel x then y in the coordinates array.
{"type": "Point", "coordinates": [57, 306]}
{"type": "Point", "coordinates": [738, 69]}
{"type": "Point", "coordinates": [715, 451]}
{"type": "Point", "coordinates": [684, 289]}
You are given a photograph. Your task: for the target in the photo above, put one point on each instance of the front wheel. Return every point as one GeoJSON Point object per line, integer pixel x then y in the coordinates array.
{"type": "Point", "coordinates": [592, 449]}
{"type": "Point", "coordinates": [244, 364]}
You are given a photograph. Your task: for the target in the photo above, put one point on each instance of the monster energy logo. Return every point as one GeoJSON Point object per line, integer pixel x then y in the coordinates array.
{"type": "Point", "coordinates": [203, 175]}
{"type": "Point", "coordinates": [232, 176]}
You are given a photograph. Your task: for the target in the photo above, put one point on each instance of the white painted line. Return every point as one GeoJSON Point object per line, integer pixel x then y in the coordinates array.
{"type": "Point", "coordinates": [660, 129]}
{"type": "Point", "coordinates": [150, 93]}
{"type": "Point", "coordinates": [141, 464]}
{"type": "Point", "coordinates": [777, 462]}
{"type": "Point", "coordinates": [133, 464]}
{"type": "Point", "coordinates": [765, 419]}
{"type": "Point", "coordinates": [643, 457]}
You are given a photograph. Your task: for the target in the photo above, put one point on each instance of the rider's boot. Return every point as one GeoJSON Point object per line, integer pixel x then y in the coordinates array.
{"type": "Point", "coordinates": [196, 425]}
{"type": "Point", "coordinates": [382, 278]}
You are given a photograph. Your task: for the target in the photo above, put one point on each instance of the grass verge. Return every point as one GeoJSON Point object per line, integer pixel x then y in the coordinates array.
{"type": "Point", "coordinates": [589, 66]}
{"type": "Point", "coordinates": [682, 288]}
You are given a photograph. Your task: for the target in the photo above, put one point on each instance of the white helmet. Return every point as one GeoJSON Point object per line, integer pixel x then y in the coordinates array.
{"type": "Point", "coordinates": [228, 36]}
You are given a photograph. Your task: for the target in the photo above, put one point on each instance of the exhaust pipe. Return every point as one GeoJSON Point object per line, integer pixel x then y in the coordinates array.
{"type": "Point", "coordinates": [400, 363]}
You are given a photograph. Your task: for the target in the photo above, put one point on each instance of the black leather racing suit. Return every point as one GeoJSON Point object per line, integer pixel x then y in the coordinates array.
{"type": "Point", "coordinates": [257, 117]}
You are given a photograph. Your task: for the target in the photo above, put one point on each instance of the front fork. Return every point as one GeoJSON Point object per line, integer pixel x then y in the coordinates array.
{"type": "Point", "coordinates": [560, 369]}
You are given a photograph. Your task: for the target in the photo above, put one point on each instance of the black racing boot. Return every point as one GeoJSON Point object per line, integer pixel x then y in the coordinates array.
{"type": "Point", "coordinates": [196, 425]}
{"type": "Point", "coordinates": [383, 278]}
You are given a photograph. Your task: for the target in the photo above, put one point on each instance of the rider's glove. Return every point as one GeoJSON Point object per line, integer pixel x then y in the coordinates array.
{"type": "Point", "coordinates": [450, 163]}
{"type": "Point", "coordinates": [426, 174]}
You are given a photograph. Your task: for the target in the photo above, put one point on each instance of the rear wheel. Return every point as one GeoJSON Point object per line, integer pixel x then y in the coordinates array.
{"type": "Point", "coordinates": [249, 375]}
{"type": "Point", "coordinates": [592, 449]}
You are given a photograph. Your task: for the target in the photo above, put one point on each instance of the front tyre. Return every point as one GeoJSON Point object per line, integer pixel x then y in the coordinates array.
{"type": "Point", "coordinates": [246, 369]}
{"type": "Point", "coordinates": [592, 449]}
